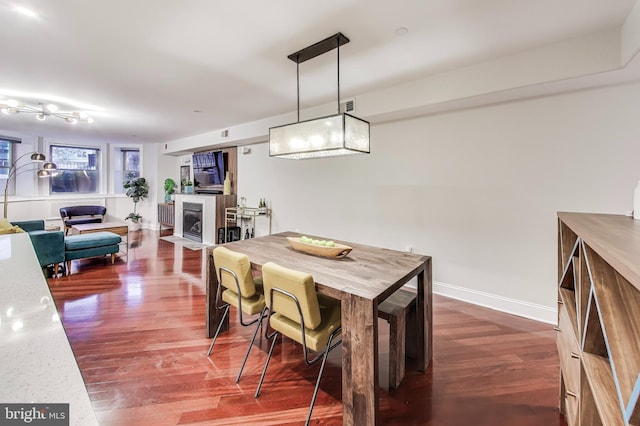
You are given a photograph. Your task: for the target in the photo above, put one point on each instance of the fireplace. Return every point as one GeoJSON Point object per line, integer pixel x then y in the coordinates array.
{"type": "Point", "coordinates": [192, 221]}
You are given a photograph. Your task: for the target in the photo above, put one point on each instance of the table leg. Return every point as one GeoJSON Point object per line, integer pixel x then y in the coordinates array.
{"type": "Point", "coordinates": [359, 361]}
{"type": "Point", "coordinates": [213, 315]}
{"type": "Point", "coordinates": [424, 317]}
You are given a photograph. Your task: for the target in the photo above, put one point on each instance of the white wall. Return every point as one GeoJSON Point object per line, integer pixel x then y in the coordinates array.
{"type": "Point", "coordinates": [477, 189]}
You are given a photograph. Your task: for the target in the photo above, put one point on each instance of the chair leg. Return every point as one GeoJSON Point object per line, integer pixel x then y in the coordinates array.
{"type": "Point", "coordinates": [266, 364]}
{"type": "Point", "coordinates": [315, 391]}
{"type": "Point", "coordinates": [215, 336]}
{"type": "Point", "coordinates": [255, 333]}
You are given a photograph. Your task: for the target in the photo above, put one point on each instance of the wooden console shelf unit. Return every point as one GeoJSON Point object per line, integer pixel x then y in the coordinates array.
{"type": "Point", "coordinates": [599, 318]}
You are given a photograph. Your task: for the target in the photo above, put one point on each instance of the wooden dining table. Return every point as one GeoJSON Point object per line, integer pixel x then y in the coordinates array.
{"type": "Point", "coordinates": [361, 281]}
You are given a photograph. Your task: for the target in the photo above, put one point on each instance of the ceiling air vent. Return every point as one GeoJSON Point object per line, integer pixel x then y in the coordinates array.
{"type": "Point", "coordinates": [348, 105]}
{"type": "Point", "coordinates": [224, 133]}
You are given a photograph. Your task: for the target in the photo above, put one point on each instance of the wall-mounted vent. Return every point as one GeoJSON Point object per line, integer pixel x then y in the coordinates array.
{"type": "Point", "coordinates": [224, 133]}
{"type": "Point", "coordinates": [349, 105]}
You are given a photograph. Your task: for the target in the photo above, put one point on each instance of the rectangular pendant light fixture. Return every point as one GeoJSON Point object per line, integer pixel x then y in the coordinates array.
{"type": "Point", "coordinates": [339, 134]}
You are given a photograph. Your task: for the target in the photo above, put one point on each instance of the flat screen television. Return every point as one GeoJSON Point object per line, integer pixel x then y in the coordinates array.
{"type": "Point", "coordinates": [209, 170]}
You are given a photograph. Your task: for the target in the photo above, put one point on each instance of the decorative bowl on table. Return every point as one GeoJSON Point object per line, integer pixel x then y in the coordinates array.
{"type": "Point", "coordinates": [334, 251]}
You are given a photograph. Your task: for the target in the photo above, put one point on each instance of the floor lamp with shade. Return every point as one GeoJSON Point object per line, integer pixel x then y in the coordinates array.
{"type": "Point", "coordinates": [15, 170]}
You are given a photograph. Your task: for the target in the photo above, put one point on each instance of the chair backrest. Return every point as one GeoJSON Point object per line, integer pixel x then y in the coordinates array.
{"type": "Point", "coordinates": [68, 212]}
{"type": "Point", "coordinates": [240, 265]}
{"type": "Point", "coordinates": [301, 285]}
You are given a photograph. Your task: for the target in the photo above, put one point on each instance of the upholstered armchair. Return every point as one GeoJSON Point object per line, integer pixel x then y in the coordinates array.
{"type": "Point", "coordinates": [77, 215]}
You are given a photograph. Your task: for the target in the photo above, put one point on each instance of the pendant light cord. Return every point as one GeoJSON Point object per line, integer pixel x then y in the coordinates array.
{"type": "Point", "coordinates": [338, 49]}
{"type": "Point", "coordinates": [298, 86]}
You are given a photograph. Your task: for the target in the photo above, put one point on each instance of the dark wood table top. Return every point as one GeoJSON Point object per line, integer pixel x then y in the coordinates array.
{"type": "Point", "coordinates": [368, 272]}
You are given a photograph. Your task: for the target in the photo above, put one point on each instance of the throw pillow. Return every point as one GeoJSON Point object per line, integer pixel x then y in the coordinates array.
{"type": "Point", "coordinates": [7, 228]}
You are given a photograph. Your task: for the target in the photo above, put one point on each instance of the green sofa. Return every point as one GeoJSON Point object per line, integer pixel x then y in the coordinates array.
{"type": "Point", "coordinates": [48, 245]}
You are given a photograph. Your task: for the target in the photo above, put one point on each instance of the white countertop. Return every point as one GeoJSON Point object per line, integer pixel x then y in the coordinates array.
{"type": "Point", "coordinates": [36, 361]}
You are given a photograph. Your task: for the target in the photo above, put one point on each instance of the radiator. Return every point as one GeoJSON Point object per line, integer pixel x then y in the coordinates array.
{"type": "Point", "coordinates": [166, 214]}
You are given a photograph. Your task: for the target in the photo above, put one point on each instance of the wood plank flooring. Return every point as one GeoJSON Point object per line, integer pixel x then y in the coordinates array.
{"type": "Point", "coordinates": [137, 329]}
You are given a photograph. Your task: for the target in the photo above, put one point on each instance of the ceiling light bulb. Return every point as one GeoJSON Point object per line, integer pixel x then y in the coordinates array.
{"type": "Point", "coordinates": [52, 107]}
{"type": "Point", "coordinates": [90, 120]}
{"type": "Point", "coordinates": [26, 12]}
{"type": "Point", "coordinates": [41, 117]}
{"type": "Point", "coordinates": [83, 115]}
{"type": "Point", "coordinates": [13, 103]}
{"type": "Point", "coordinates": [71, 120]}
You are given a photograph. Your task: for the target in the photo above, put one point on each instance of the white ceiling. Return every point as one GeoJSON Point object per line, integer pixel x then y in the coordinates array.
{"type": "Point", "coordinates": [143, 68]}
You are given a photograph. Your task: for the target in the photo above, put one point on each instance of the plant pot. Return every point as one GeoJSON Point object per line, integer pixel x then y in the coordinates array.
{"type": "Point", "coordinates": [188, 189]}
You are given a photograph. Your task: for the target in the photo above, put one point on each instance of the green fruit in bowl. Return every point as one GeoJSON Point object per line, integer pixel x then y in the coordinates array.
{"type": "Point", "coordinates": [315, 242]}
{"type": "Point", "coordinates": [330, 244]}
{"type": "Point", "coordinates": [323, 243]}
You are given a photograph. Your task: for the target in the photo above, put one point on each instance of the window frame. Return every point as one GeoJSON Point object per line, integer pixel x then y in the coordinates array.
{"type": "Point", "coordinates": [12, 142]}
{"type": "Point", "coordinates": [99, 166]}
{"type": "Point", "coordinates": [116, 165]}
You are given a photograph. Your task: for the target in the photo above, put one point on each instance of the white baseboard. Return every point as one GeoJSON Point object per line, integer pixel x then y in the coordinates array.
{"type": "Point", "coordinates": [499, 303]}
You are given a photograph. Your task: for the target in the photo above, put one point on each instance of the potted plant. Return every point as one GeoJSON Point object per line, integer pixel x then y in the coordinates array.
{"type": "Point", "coordinates": [138, 189]}
{"type": "Point", "coordinates": [187, 186]}
{"type": "Point", "coordinates": [169, 189]}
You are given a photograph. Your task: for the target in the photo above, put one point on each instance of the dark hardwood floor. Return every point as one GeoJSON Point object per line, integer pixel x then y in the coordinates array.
{"type": "Point", "coordinates": [137, 331]}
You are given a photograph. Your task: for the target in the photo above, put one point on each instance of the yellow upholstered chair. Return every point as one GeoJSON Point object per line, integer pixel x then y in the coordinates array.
{"type": "Point", "coordinates": [238, 288]}
{"type": "Point", "coordinates": [301, 314]}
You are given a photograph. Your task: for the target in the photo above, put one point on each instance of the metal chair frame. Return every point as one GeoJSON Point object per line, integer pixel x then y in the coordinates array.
{"type": "Point", "coordinates": [324, 354]}
{"type": "Point", "coordinates": [226, 307]}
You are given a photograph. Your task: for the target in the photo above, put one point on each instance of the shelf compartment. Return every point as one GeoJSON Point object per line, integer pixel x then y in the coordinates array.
{"type": "Point", "coordinates": [598, 375]}
{"type": "Point", "coordinates": [569, 351]}
{"type": "Point", "coordinates": [567, 243]}
{"type": "Point", "coordinates": [617, 302]}
{"type": "Point", "coordinates": [583, 288]}
{"type": "Point", "coordinates": [568, 297]}
{"type": "Point", "coordinates": [593, 339]}
{"type": "Point", "coordinates": [589, 415]}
